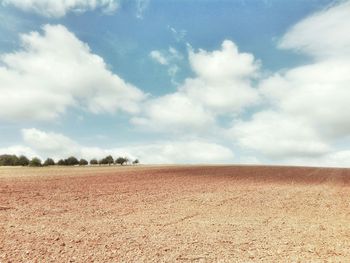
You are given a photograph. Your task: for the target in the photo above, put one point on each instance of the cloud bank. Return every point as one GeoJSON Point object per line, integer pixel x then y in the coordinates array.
{"type": "Point", "coordinates": [55, 145]}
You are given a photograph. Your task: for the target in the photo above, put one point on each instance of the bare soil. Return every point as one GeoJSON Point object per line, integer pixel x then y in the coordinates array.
{"type": "Point", "coordinates": [175, 214]}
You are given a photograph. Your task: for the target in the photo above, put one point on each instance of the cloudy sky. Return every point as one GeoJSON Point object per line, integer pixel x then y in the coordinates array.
{"type": "Point", "coordinates": [177, 81]}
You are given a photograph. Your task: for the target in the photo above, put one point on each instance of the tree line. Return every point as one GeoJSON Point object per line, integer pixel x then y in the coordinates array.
{"type": "Point", "coordinates": [14, 160]}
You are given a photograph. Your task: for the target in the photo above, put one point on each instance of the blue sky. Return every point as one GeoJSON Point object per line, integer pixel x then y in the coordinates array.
{"type": "Point", "coordinates": [176, 81]}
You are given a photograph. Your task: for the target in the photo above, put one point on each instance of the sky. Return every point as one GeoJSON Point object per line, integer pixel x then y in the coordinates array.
{"type": "Point", "coordinates": [226, 82]}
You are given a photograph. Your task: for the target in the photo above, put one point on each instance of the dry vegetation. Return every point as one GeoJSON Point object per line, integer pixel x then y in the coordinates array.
{"type": "Point", "coordinates": [184, 214]}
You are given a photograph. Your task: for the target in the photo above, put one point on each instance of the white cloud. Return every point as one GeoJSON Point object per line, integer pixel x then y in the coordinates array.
{"type": "Point", "coordinates": [55, 71]}
{"type": "Point", "coordinates": [157, 56]}
{"type": "Point", "coordinates": [59, 8]}
{"type": "Point", "coordinates": [19, 150]}
{"type": "Point", "coordinates": [318, 92]}
{"type": "Point", "coordinates": [175, 112]}
{"type": "Point", "coordinates": [193, 151]}
{"type": "Point", "coordinates": [307, 107]}
{"type": "Point", "coordinates": [222, 86]}
{"type": "Point", "coordinates": [225, 64]}
{"type": "Point", "coordinates": [50, 143]}
{"type": "Point", "coordinates": [223, 82]}
{"type": "Point", "coordinates": [279, 136]}
{"type": "Point", "coordinates": [55, 145]}
{"type": "Point", "coordinates": [322, 35]}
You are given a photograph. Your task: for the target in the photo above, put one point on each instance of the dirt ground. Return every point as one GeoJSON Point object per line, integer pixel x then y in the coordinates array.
{"type": "Point", "coordinates": [174, 214]}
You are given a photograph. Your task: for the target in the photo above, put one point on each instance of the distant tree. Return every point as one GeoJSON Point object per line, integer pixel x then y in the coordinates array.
{"type": "Point", "coordinates": [71, 161]}
{"type": "Point", "coordinates": [35, 162]}
{"type": "Point", "coordinates": [93, 162]}
{"type": "Point", "coordinates": [61, 162]}
{"type": "Point", "coordinates": [8, 160]}
{"type": "Point", "coordinates": [121, 160]}
{"type": "Point", "coordinates": [83, 162]}
{"type": "Point", "coordinates": [23, 161]}
{"type": "Point", "coordinates": [48, 162]}
{"type": "Point", "coordinates": [107, 160]}
{"type": "Point", "coordinates": [136, 161]}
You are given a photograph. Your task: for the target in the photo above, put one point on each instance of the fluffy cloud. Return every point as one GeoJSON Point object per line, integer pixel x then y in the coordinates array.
{"type": "Point", "coordinates": [225, 64]}
{"type": "Point", "coordinates": [192, 151]}
{"type": "Point", "coordinates": [222, 86]}
{"type": "Point", "coordinates": [59, 8]}
{"type": "Point", "coordinates": [50, 143]}
{"type": "Point", "coordinates": [279, 136]}
{"type": "Point", "coordinates": [308, 106]}
{"type": "Point", "coordinates": [318, 93]}
{"type": "Point", "coordinates": [175, 112]}
{"type": "Point", "coordinates": [54, 71]}
{"type": "Point", "coordinates": [322, 35]}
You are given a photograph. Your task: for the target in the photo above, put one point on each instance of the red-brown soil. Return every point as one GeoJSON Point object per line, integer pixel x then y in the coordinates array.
{"type": "Point", "coordinates": [174, 214]}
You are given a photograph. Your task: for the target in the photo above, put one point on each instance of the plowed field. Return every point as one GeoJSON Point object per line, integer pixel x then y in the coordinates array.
{"type": "Point", "coordinates": [174, 214]}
